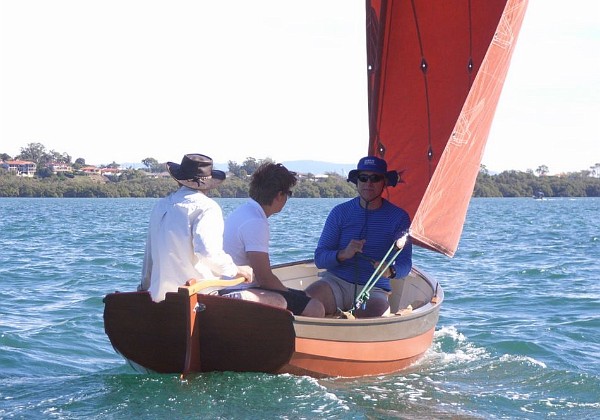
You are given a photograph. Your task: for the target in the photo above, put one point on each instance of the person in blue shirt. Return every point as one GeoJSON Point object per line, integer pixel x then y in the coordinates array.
{"type": "Point", "coordinates": [357, 235]}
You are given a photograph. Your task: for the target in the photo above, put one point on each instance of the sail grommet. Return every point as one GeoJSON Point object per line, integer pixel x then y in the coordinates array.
{"type": "Point", "coordinates": [424, 65]}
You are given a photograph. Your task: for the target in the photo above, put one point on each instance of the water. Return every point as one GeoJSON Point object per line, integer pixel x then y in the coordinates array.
{"type": "Point", "coordinates": [518, 336]}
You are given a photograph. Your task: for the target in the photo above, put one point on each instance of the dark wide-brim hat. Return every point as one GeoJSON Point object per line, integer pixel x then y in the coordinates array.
{"type": "Point", "coordinates": [196, 172]}
{"type": "Point", "coordinates": [373, 164]}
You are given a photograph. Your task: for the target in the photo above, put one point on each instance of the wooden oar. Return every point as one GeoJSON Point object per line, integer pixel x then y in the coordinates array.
{"type": "Point", "coordinates": [194, 286]}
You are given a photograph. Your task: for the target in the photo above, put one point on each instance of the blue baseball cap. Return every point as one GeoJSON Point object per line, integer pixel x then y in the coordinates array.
{"type": "Point", "coordinates": [373, 164]}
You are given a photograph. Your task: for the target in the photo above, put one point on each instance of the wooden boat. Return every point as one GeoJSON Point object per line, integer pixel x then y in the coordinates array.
{"type": "Point", "coordinates": [200, 332]}
{"type": "Point", "coordinates": [435, 71]}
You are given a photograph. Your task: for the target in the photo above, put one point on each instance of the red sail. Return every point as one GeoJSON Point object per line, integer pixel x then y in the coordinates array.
{"type": "Point", "coordinates": [435, 73]}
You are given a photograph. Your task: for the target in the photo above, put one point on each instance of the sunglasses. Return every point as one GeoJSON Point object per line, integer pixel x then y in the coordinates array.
{"type": "Point", "coordinates": [289, 193]}
{"type": "Point", "coordinates": [373, 178]}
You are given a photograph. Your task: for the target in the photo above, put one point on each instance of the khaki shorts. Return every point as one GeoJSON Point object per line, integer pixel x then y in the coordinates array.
{"type": "Point", "coordinates": [345, 293]}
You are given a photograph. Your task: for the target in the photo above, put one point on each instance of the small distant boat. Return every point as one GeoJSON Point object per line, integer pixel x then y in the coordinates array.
{"type": "Point", "coordinates": [435, 72]}
{"type": "Point", "coordinates": [539, 195]}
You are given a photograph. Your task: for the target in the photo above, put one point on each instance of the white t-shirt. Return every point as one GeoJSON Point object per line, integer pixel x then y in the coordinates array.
{"type": "Point", "coordinates": [246, 229]}
{"type": "Point", "coordinates": [185, 241]}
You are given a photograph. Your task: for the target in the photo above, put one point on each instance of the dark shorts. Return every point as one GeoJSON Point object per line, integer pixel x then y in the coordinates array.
{"type": "Point", "coordinates": [296, 299]}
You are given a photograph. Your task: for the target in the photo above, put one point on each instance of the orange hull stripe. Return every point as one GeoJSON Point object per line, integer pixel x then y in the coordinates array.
{"type": "Point", "coordinates": [323, 367]}
{"type": "Point", "coordinates": [366, 352]}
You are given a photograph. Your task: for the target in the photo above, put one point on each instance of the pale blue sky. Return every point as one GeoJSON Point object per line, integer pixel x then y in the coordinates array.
{"type": "Point", "coordinates": [122, 80]}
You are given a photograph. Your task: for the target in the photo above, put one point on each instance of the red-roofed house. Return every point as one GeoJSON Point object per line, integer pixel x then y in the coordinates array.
{"type": "Point", "coordinates": [91, 170]}
{"type": "Point", "coordinates": [20, 167]}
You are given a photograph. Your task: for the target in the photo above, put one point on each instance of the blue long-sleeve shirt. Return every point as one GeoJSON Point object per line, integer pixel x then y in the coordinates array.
{"type": "Point", "coordinates": [380, 227]}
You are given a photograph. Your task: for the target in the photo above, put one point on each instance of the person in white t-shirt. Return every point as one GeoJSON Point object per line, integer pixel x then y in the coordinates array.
{"type": "Point", "coordinates": [185, 237]}
{"type": "Point", "coordinates": [246, 239]}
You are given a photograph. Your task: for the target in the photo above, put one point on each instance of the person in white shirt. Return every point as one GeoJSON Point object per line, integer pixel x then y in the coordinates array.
{"type": "Point", "coordinates": [185, 236]}
{"type": "Point", "coordinates": [246, 239]}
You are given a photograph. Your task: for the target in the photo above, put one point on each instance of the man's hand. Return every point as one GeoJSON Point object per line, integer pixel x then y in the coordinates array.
{"type": "Point", "coordinates": [355, 245]}
{"type": "Point", "coordinates": [246, 272]}
{"type": "Point", "coordinates": [389, 272]}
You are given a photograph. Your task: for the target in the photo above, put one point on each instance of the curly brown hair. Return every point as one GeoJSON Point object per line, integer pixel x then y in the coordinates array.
{"type": "Point", "coordinates": [268, 180]}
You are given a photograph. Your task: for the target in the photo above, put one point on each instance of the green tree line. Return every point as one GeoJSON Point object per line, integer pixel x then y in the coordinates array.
{"type": "Point", "coordinates": [137, 183]}
{"type": "Point", "coordinates": [144, 186]}
{"type": "Point", "coordinates": [145, 183]}
{"type": "Point", "coordinates": [525, 184]}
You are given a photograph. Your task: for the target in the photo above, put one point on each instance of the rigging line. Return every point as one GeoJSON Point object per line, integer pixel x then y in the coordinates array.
{"type": "Point", "coordinates": [424, 68]}
{"type": "Point", "coordinates": [371, 30]}
{"type": "Point", "coordinates": [383, 36]}
{"type": "Point", "coordinates": [373, 67]}
{"type": "Point", "coordinates": [363, 235]}
{"type": "Point", "coordinates": [470, 64]}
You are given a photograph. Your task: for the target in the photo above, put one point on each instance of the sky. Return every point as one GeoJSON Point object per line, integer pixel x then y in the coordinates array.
{"type": "Point", "coordinates": [124, 80]}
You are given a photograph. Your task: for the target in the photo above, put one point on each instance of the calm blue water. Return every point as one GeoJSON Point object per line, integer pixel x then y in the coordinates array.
{"type": "Point", "coordinates": [518, 337]}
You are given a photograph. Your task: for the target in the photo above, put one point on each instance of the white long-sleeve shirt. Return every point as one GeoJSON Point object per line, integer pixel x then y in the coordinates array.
{"type": "Point", "coordinates": [185, 241]}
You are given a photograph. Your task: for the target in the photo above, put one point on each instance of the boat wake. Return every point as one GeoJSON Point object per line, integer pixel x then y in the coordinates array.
{"type": "Point", "coordinates": [451, 350]}
{"type": "Point", "coordinates": [451, 347]}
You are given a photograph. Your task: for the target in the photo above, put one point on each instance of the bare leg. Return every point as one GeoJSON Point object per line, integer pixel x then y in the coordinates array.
{"type": "Point", "coordinates": [314, 308]}
{"type": "Point", "coordinates": [376, 306]}
{"type": "Point", "coordinates": [261, 296]}
{"type": "Point", "coordinates": [321, 291]}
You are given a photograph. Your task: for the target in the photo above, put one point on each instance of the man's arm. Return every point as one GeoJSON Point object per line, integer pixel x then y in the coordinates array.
{"type": "Point", "coordinates": [263, 275]}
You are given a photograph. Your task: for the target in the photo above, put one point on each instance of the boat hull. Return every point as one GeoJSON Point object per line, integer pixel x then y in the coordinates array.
{"type": "Point", "coordinates": [202, 332]}
{"type": "Point", "coordinates": [355, 357]}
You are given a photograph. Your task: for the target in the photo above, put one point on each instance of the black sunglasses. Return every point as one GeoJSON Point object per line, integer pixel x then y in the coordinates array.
{"type": "Point", "coordinates": [373, 178]}
{"type": "Point", "coordinates": [289, 193]}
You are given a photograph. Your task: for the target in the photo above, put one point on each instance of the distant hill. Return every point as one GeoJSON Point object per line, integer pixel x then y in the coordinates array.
{"type": "Point", "coordinates": [314, 167]}
{"type": "Point", "coordinates": [317, 167]}
{"type": "Point", "coordinates": [134, 165]}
